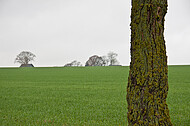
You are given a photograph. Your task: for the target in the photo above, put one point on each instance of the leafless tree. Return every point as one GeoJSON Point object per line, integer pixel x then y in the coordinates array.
{"type": "Point", "coordinates": [105, 60]}
{"type": "Point", "coordinates": [112, 58]}
{"type": "Point", "coordinates": [25, 57]}
{"type": "Point", "coordinates": [73, 63]}
{"type": "Point", "coordinates": [95, 61]}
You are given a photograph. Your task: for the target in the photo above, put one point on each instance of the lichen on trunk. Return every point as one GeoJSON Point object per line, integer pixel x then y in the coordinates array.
{"type": "Point", "coordinates": [148, 76]}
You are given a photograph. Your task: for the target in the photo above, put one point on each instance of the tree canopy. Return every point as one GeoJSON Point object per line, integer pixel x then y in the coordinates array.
{"type": "Point", "coordinates": [25, 57]}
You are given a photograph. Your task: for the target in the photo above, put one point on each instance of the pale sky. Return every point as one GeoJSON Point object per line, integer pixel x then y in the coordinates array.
{"type": "Point", "coordinates": [60, 31]}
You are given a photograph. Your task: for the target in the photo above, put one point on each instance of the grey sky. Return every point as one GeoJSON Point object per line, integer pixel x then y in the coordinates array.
{"type": "Point", "coordinates": [60, 31]}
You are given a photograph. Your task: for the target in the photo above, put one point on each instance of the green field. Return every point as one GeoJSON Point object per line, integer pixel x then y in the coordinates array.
{"type": "Point", "coordinates": [78, 96]}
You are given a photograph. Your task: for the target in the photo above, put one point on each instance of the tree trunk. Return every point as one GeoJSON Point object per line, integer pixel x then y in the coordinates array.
{"type": "Point", "coordinates": [148, 76]}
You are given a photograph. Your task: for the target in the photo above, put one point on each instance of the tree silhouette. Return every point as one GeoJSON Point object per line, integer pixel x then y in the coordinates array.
{"type": "Point", "coordinates": [24, 57]}
{"type": "Point", "coordinates": [95, 61]}
{"type": "Point", "coordinates": [112, 58]}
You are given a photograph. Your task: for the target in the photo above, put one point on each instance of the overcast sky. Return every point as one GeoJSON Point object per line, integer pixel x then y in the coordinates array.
{"type": "Point", "coordinates": [60, 31]}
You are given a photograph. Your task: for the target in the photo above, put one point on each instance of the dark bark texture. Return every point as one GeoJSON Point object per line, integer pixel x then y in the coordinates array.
{"type": "Point", "coordinates": [148, 76]}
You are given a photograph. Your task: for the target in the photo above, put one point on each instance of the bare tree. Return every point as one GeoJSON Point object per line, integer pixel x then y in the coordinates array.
{"type": "Point", "coordinates": [105, 60]}
{"type": "Point", "coordinates": [112, 57]}
{"type": "Point", "coordinates": [73, 63]}
{"type": "Point", "coordinates": [95, 61]}
{"type": "Point", "coordinates": [78, 64]}
{"type": "Point", "coordinates": [25, 57]}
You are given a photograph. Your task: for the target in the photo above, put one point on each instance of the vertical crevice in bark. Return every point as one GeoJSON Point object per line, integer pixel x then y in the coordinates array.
{"type": "Point", "coordinates": [148, 81]}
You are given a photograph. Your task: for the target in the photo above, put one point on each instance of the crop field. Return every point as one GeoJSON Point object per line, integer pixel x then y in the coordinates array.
{"type": "Point", "coordinates": [80, 96]}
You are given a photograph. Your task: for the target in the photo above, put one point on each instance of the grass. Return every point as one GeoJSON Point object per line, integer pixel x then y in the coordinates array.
{"type": "Point", "coordinates": [87, 96]}
{"type": "Point", "coordinates": [179, 95]}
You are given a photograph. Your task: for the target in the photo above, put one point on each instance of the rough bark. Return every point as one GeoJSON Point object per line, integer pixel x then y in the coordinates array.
{"type": "Point", "coordinates": [148, 76]}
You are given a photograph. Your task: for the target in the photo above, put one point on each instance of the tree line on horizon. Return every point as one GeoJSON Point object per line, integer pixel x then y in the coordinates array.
{"type": "Point", "coordinates": [25, 57]}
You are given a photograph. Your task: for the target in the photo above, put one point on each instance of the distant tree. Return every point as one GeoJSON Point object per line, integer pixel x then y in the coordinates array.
{"type": "Point", "coordinates": [25, 57]}
{"type": "Point", "coordinates": [105, 60]}
{"type": "Point", "coordinates": [95, 61]}
{"type": "Point", "coordinates": [68, 65]}
{"type": "Point", "coordinates": [73, 63]}
{"type": "Point", "coordinates": [112, 57]}
{"type": "Point", "coordinates": [78, 64]}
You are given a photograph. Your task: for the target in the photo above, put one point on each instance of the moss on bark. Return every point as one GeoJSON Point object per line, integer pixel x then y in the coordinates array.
{"type": "Point", "coordinates": [148, 76]}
